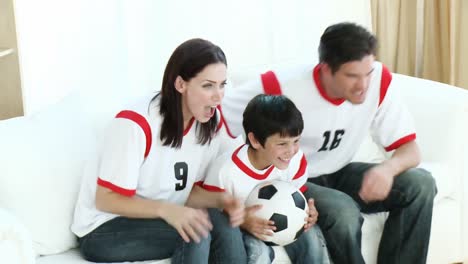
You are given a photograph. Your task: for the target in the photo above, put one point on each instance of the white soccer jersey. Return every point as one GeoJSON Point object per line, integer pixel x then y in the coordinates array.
{"type": "Point", "coordinates": [234, 173]}
{"type": "Point", "coordinates": [133, 161]}
{"type": "Point", "coordinates": [333, 129]}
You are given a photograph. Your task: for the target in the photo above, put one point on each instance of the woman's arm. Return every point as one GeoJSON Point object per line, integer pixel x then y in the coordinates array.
{"type": "Point", "coordinates": [201, 198]}
{"type": "Point", "coordinates": [132, 207]}
{"type": "Point", "coordinates": [189, 222]}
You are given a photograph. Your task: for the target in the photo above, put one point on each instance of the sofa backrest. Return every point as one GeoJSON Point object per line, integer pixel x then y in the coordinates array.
{"type": "Point", "coordinates": [42, 158]}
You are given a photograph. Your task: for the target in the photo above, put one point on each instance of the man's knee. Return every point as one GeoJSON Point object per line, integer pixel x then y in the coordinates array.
{"type": "Point", "coordinates": [420, 182]}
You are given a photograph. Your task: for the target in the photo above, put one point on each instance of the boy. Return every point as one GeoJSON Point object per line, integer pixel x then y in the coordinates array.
{"type": "Point", "coordinates": [272, 126]}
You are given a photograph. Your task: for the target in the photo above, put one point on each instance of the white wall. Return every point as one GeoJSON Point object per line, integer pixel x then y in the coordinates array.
{"type": "Point", "coordinates": [116, 45]}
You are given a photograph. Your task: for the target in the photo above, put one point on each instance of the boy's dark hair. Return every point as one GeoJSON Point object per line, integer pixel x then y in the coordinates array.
{"type": "Point", "coordinates": [266, 115]}
{"type": "Point", "coordinates": [187, 60]}
{"type": "Point", "coordinates": [344, 42]}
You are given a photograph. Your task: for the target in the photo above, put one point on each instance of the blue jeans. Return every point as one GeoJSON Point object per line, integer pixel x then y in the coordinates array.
{"type": "Point", "coordinates": [407, 230]}
{"type": "Point", "coordinates": [125, 239]}
{"type": "Point", "coordinates": [309, 248]}
{"type": "Point", "coordinates": [257, 251]}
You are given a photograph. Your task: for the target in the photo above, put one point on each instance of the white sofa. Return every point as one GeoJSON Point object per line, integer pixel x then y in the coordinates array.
{"type": "Point", "coordinates": [42, 158]}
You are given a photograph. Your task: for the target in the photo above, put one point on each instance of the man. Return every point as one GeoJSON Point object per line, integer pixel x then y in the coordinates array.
{"type": "Point", "coordinates": [343, 98]}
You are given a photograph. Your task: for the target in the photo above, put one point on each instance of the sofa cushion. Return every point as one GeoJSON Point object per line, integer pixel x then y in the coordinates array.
{"type": "Point", "coordinates": [42, 161]}
{"type": "Point", "coordinates": [41, 165]}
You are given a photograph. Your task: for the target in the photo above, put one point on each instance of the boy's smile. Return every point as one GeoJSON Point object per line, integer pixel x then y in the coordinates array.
{"type": "Point", "coordinates": [277, 151]}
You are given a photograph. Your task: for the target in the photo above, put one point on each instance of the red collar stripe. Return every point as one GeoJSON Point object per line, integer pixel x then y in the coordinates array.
{"type": "Point", "coordinates": [302, 168]}
{"type": "Point", "coordinates": [246, 169]}
{"type": "Point", "coordinates": [316, 76]}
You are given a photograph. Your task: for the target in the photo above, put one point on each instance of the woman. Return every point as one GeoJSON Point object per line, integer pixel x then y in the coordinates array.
{"type": "Point", "coordinates": [147, 203]}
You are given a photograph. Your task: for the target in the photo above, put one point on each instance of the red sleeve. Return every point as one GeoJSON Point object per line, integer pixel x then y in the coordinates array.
{"type": "Point", "coordinates": [270, 83]}
{"type": "Point", "coordinates": [385, 81]}
{"type": "Point", "coordinates": [141, 121]}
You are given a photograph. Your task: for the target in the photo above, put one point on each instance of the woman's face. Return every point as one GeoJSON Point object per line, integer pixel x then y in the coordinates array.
{"type": "Point", "coordinates": [203, 93]}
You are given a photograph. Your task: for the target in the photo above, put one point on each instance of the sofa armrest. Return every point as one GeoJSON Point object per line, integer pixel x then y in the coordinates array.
{"type": "Point", "coordinates": [440, 113]}
{"type": "Point", "coordinates": [15, 241]}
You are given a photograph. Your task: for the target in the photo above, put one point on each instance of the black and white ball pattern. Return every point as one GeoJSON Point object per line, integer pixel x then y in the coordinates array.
{"type": "Point", "coordinates": [285, 205]}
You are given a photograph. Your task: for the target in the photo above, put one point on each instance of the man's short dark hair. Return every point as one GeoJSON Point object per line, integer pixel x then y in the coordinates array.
{"type": "Point", "coordinates": [344, 42]}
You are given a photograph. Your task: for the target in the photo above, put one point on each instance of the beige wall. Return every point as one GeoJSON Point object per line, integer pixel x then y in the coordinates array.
{"type": "Point", "coordinates": [10, 86]}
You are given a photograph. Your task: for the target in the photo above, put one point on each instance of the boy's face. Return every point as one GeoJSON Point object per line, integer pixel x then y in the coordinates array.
{"type": "Point", "coordinates": [278, 151]}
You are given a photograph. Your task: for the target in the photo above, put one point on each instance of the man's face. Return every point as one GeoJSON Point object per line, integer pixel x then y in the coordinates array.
{"type": "Point", "coordinates": [351, 81]}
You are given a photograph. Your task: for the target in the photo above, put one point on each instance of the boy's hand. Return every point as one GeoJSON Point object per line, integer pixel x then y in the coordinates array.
{"type": "Point", "coordinates": [311, 220]}
{"type": "Point", "coordinates": [235, 209]}
{"type": "Point", "coordinates": [258, 227]}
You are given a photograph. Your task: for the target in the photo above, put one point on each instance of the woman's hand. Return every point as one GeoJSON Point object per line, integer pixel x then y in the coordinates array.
{"type": "Point", "coordinates": [311, 220]}
{"type": "Point", "coordinates": [235, 210]}
{"type": "Point", "coordinates": [192, 224]}
{"type": "Point", "coordinates": [258, 227]}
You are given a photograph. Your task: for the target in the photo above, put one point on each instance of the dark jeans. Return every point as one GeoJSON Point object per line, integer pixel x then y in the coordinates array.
{"type": "Point", "coordinates": [125, 239]}
{"type": "Point", "coordinates": [406, 233]}
{"type": "Point", "coordinates": [310, 247]}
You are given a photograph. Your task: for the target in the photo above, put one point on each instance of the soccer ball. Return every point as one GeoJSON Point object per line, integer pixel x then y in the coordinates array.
{"type": "Point", "coordinates": [285, 205]}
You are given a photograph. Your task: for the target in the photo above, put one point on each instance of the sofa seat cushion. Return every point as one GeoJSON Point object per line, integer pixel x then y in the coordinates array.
{"type": "Point", "coordinates": [73, 257]}
{"type": "Point", "coordinates": [372, 231]}
{"type": "Point", "coordinates": [15, 240]}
